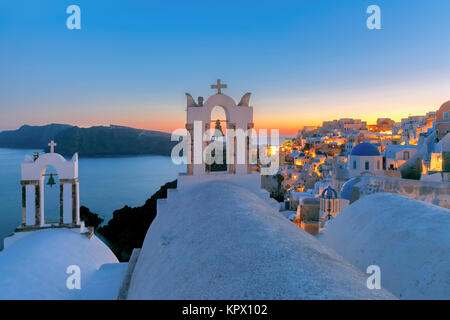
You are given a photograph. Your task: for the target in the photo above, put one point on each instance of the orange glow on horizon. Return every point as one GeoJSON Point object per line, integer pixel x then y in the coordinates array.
{"type": "Point", "coordinates": [288, 121]}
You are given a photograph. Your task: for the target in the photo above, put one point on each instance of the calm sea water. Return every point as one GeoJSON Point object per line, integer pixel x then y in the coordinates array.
{"type": "Point", "coordinates": [106, 184]}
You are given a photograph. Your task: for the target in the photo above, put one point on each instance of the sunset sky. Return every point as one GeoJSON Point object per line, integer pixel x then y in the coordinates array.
{"type": "Point", "coordinates": [303, 61]}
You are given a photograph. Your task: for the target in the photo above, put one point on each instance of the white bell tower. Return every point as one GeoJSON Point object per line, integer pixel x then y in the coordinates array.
{"type": "Point", "coordinates": [33, 175]}
{"type": "Point", "coordinates": [239, 120]}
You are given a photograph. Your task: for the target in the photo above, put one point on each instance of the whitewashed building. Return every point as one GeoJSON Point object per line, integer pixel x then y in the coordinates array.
{"type": "Point", "coordinates": [365, 159]}
{"type": "Point", "coordinates": [397, 155]}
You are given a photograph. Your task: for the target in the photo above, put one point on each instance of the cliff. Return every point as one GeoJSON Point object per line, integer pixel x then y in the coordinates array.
{"type": "Point", "coordinates": [31, 137]}
{"type": "Point", "coordinates": [113, 140]}
{"type": "Point", "coordinates": [128, 227]}
{"type": "Point", "coordinates": [90, 142]}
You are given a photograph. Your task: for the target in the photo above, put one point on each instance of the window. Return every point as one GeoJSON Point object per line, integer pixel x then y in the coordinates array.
{"type": "Point", "coordinates": [367, 165]}
{"type": "Point", "coordinates": [354, 164]}
{"type": "Point", "coordinates": [446, 116]}
{"type": "Point", "coordinates": [378, 165]}
{"type": "Point", "coordinates": [405, 155]}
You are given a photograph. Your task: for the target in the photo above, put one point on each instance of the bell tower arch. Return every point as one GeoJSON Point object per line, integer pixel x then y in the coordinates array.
{"type": "Point", "coordinates": [239, 119]}
{"type": "Point", "coordinates": [33, 176]}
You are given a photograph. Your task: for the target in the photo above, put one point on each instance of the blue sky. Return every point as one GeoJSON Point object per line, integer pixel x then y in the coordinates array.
{"type": "Point", "coordinates": [304, 61]}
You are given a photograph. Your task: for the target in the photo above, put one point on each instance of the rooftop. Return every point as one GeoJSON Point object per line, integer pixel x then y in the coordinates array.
{"type": "Point", "coordinates": [34, 265]}
{"type": "Point", "coordinates": [365, 149]}
{"type": "Point", "coordinates": [406, 238]}
{"type": "Point", "coordinates": [232, 245]}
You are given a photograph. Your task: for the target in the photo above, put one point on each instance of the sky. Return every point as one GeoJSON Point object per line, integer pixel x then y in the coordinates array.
{"type": "Point", "coordinates": [303, 61]}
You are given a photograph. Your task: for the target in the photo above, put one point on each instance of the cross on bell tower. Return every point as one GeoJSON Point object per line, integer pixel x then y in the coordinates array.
{"type": "Point", "coordinates": [219, 86]}
{"type": "Point", "coordinates": [52, 146]}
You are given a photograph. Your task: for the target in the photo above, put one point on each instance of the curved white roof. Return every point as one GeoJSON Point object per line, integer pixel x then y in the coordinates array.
{"type": "Point", "coordinates": [34, 266]}
{"type": "Point", "coordinates": [217, 240]}
{"type": "Point", "coordinates": [408, 239]}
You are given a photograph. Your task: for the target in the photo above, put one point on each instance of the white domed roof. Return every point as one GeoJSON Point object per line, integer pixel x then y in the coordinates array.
{"type": "Point", "coordinates": [408, 239]}
{"type": "Point", "coordinates": [34, 266]}
{"type": "Point", "coordinates": [365, 149]}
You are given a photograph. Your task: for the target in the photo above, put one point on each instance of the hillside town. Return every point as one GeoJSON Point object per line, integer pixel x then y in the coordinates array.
{"type": "Point", "coordinates": [321, 165]}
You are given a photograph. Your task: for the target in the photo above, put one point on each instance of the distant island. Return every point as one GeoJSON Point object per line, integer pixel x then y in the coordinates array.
{"type": "Point", "coordinates": [89, 142]}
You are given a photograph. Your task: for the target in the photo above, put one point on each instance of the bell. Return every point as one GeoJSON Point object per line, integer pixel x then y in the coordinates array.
{"type": "Point", "coordinates": [51, 181]}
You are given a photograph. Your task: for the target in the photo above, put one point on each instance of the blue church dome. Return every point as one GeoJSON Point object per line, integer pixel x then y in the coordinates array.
{"type": "Point", "coordinates": [347, 189]}
{"type": "Point", "coordinates": [365, 149]}
{"type": "Point", "coordinates": [329, 193]}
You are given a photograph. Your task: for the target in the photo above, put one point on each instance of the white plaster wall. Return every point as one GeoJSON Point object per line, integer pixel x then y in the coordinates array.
{"type": "Point", "coordinates": [360, 165]}
{"type": "Point", "coordinates": [30, 205]}
{"type": "Point", "coordinates": [67, 207]}
{"type": "Point", "coordinates": [435, 177]}
{"type": "Point", "coordinates": [65, 169]}
{"type": "Point", "coordinates": [240, 115]}
{"type": "Point", "coordinates": [400, 154]}
{"type": "Point", "coordinates": [34, 170]}
{"type": "Point", "coordinates": [77, 186]}
{"type": "Point", "coordinates": [41, 202]}
{"type": "Point", "coordinates": [437, 193]}
{"type": "Point", "coordinates": [446, 143]}
{"type": "Point", "coordinates": [251, 182]}
{"type": "Point", "coordinates": [199, 165]}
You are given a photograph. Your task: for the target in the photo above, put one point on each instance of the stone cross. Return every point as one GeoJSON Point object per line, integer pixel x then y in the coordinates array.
{"type": "Point", "coordinates": [52, 146]}
{"type": "Point", "coordinates": [218, 86]}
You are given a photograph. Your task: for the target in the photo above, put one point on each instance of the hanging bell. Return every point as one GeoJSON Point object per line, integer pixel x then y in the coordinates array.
{"type": "Point", "coordinates": [51, 181]}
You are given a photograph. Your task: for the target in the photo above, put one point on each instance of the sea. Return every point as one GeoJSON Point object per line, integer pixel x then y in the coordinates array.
{"type": "Point", "coordinates": [106, 184]}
